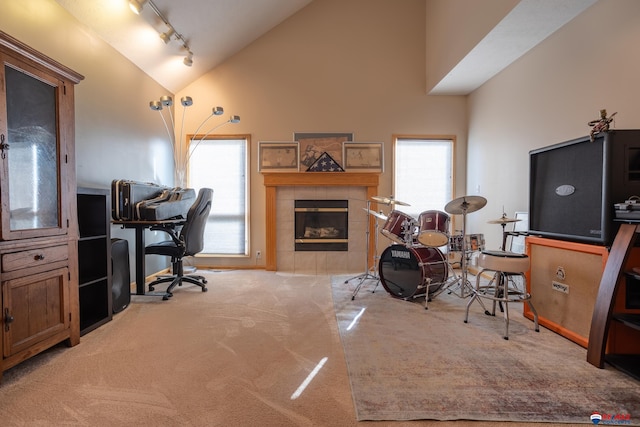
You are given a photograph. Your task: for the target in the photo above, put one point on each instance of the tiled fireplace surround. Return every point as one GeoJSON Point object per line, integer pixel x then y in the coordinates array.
{"type": "Point", "coordinates": [282, 189]}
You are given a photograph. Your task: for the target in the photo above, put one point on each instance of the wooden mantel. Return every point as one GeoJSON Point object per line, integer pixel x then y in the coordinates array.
{"type": "Point", "coordinates": [309, 179]}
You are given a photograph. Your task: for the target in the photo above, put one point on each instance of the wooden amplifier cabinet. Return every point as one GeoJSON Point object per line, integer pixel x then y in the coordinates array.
{"type": "Point", "coordinates": [563, 280]}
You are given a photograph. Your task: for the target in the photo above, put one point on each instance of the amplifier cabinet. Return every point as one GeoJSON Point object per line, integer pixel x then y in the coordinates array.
{"type": "Point", "coordinates": [563, 280]}
{"type": "Point", "coordinates": [575, 184]}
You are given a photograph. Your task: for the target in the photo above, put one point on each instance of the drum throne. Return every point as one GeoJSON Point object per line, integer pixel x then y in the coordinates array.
{"type": "Point", "coordinates": [504, 286]}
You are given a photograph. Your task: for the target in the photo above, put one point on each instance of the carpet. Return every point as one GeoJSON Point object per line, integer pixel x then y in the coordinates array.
{"type": "Point", "coordinates": [408, 363]}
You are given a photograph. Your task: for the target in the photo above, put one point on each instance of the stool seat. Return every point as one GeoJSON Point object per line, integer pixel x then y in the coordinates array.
{"type": "Point", "coordinates": [503, 288]}
{"type": "Point", "coordinates": [507, 262]}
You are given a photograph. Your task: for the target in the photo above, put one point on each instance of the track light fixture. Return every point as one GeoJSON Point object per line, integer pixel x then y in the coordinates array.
{"type": "Point", "coordinates": [188, 60]}
{"type": "Point", "coordinates": [181, 155]}
{"type": "Point", "coordinates": [137, 5]}
{"type": "Point", "coordinates": [166, 36]}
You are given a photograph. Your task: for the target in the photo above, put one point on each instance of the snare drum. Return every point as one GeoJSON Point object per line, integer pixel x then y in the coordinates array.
{"type": "Point", "coordinates": [407, 272]}
{"type": "Point", "coordinates": [455, 243]}
{"type": "Point", "coordinates": [398, 226]}
{"type": "Point", "coordinates": [433, 228]}
{"type": "Point", "coordinates": [474, 242]}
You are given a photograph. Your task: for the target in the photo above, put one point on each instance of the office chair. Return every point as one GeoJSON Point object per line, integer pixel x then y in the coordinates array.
{"type": "Point", "coordinates": [187, 241]}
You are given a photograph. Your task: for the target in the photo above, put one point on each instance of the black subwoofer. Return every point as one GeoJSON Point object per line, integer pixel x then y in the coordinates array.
{"type": "Point", "coordinates": [575, 184]}
{"type": "Point", "coordinates": [120, 275]}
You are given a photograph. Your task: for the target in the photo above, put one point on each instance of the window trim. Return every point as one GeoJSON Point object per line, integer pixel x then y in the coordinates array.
{"type": "Point", "coordinates": [247, 167]}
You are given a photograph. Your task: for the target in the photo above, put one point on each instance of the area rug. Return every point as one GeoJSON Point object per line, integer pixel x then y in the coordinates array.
{"type": "Point", "coordinates": [408, 363]}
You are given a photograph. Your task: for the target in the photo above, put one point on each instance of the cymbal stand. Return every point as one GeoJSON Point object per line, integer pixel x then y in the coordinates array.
{"type": "Point", "coordinates": [465, 287]}
{"type": "Point", "coordinates": [367, 271]}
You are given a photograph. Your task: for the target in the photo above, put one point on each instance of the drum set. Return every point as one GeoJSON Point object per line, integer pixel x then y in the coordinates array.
{"type": "Point", "coordinates": [414, 264]}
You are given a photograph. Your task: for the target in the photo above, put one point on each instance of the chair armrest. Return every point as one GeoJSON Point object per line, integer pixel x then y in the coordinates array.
{"type": "Point", "coordinates": [170, 229]}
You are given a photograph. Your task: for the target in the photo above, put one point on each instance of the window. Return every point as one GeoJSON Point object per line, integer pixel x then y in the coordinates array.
{"type": "Point", "coordinates": [423, 173]}
{"type": "Point", "coordinates": [221, 163]}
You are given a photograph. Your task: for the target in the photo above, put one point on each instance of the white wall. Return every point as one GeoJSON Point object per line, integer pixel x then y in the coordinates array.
{"type": "Point", "coordinates": [546, 97]}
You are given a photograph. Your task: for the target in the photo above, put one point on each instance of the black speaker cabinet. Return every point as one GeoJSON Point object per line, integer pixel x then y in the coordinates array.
{"type": "Point", "coordinates": [121, 281]}
{"type": "Point", "coordinates": [575, 184]}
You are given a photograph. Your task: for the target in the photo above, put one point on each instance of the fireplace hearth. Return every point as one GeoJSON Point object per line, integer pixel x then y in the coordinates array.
{"type": "Point", "coordinates": [321, 225]}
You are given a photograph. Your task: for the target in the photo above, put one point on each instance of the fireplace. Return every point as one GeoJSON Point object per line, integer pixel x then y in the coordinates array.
{"type": "Point", "coordinates": [321, 225]}
{"type": "Point", "coordinates": [284, 188]}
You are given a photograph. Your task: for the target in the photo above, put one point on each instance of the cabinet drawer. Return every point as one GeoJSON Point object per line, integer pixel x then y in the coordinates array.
{"type": "Point", "coordinates": [34, 257]}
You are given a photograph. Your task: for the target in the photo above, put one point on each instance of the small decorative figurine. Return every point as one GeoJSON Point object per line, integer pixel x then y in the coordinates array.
{"type": "Point", "coordinates": [600, 125]}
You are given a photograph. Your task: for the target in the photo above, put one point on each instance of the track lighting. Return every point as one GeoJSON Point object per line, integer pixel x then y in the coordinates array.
{"type": "Point", "coordinates": [217, 111]}
{"type": "Point", "coordinates": [188, 60]}
{"type": "Point", "coordinates": [186, 101]}
{"type": "Point", "coordinates": [136, 5]}
{"type": "Point", "coordinates": [166, 36]}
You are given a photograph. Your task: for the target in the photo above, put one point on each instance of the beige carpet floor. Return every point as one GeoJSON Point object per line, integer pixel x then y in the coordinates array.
{"type": "Point", "coordinates": [233, 356]}
{"type": "Point", "coordinates": [406, 362]}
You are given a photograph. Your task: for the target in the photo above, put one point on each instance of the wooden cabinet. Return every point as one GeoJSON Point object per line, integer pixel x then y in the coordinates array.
{"type": "Point", "coordinates": [38, 227]}
{"type": "Point", "coordinates": [94, 258]}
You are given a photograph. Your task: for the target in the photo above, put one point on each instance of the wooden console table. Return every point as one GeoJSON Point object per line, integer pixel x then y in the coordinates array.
{"type": "Point", "coordinates": [614, 336]}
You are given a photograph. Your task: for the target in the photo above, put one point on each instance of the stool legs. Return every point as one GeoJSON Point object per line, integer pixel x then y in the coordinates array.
{"type": "Point", "coordinates": [499, 291]}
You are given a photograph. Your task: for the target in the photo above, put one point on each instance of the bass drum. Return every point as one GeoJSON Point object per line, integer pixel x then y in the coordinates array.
{"type": "Point", "coordinates": [404, 270]}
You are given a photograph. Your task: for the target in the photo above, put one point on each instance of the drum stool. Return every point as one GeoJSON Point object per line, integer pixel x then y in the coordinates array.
{"type": "Point", "coordinates": [502, 288]}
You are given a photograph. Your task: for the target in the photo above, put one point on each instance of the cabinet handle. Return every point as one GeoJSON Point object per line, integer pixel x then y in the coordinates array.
{"type": "Point", "coordinates": [38, 257]}
{"type": "Point", "coordinates": [7, 319]}
{"type": "Point", "coordinates": [3, 146]}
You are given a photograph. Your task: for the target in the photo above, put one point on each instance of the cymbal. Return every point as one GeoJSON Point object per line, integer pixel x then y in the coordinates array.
{"type": "Point", "coordinates": [388, 200]}
{"type": "Point", "coordinates": [376, 214]}
{"type": "Point", "coordinates": [465, 204]}
{"type": "Point", "coordinates": [503, 220]}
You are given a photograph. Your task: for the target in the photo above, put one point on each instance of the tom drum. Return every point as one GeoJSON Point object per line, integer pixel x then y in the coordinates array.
{"type": "Point", "coordinates": [433, 228]}
{"type": "Point", "coordinates": [404, 271]}
{"type": "Point", "coordinates": [397, 226]}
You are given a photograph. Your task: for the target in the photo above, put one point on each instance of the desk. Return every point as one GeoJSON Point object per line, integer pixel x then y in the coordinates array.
{"type": "Point", "coordinates": [139, 227]}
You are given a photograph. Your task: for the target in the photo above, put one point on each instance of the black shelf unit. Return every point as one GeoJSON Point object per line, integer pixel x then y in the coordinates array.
{"type": "Point", "coordinates": [94, 258]}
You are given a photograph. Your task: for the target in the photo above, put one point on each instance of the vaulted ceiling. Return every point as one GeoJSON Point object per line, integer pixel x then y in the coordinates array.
{"type": "Point", "coordinates": [217, 29]}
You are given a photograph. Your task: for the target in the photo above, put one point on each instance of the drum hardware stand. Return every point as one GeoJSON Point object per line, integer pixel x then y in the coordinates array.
{"type": "Point", "coordinates": [464, 205]}
{"type": "Point", "coordinates": [367, 270]}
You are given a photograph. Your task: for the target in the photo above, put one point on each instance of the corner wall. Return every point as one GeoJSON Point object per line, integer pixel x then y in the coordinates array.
{"type": "Point", "coordinates": [547, 97]}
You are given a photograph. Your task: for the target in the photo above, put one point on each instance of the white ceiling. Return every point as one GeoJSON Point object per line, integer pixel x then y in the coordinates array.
{"type": "Point", "coordinates": [217, 29]}
{"type": "Point", "coordinates": [214, 30]}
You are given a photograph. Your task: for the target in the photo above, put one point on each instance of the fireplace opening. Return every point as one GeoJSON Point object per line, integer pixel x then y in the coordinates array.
{"type": "Point", "coordinates": [321, 225]}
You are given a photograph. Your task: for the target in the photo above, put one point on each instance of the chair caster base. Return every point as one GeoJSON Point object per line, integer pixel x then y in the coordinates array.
{"type": "Point", "coordinates": [204, 289]}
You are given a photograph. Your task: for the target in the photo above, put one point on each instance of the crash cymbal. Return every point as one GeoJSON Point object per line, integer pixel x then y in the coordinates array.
{"type": "Point", "coordinates": [376, 214]}
{"type": "Point", "coordinates": [465, 204]}
{"type": "Point", "coordinates": [388, 200]}
{"type": "Point", "coordinates": [503, 220]}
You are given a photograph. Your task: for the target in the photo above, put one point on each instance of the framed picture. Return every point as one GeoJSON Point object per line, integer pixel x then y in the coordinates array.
{"type": "Point", "coordinates": [312, 145]}
{"type": "Point", "coordinates": [363, 156]}
{"type": "Point", "coordinates": [278, 157]}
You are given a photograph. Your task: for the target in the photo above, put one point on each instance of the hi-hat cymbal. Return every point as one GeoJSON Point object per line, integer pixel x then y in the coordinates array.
{"type": "Point", "coordinates": [503, 220]}
{"type": "Point", "coordinates": [465, 204]}
{"type": "Point", "coordinates": [376, 214]}
{"type": "Point", "coordinates": [388, 200]}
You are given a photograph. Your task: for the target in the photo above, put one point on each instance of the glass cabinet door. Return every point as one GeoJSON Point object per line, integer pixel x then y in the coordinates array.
{"type": "Point", "coordinates": [30, 154]}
